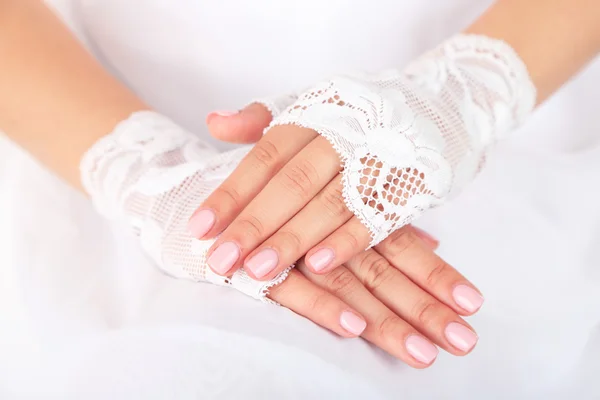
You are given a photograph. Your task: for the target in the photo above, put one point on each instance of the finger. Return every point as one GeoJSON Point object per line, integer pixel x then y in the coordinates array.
{"type": "Point", "coordinates": [431, 317]}
{"type": "Point", "coordinates": [319, 218]}
{"type": "Point", "coordinates": [405, 251]}
{"type": "Point", "coordinates": [346, 242]}
{"type": "Point", "coordinates": [245, 126]}
{"type": "Point", "coordinates": [287, 193]}
{"type": "Point", "coordinates": [384, 328]}
{"type": "Point", "coordinates": [272, 152]}
{"type": "Point", "coordinates": [426, 237]}
{"type": "Point", "coordinates": [309, 300]}
{"type": "Point", "coordinates": [349, 240]}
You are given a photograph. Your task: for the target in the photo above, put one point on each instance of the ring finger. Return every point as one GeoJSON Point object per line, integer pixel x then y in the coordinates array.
{"type": "Point", "coordinates": [313, 302]}
{"type": "Point", "coordinates": [427, 314]}
{"type": "Point", "coordinates": [288, 192]}
{"type": "Point", "coordinates": [384, 329]}
{"type": "Point", "coordinates": [320, 217]}
{"type": "Point", "coordinates": [414, 258]}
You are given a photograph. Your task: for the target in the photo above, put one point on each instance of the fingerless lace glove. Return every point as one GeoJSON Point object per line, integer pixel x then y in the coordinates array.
{"type": "Point", "coordinates": [411, 139]}
{"type": "Point", "coordinates": [408, 141]}
{"type": "Point", "coordinates": [153, 174]}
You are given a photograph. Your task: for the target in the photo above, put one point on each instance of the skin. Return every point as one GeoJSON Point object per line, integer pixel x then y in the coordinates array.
{"type": "Point", "coordinates": [400, 280]}
{"type": "Point", "coordinates": [56, 101]}
{"type": "Point", "coordinates": [286, 194]}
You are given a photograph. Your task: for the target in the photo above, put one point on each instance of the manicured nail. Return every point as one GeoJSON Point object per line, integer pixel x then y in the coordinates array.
{"type": "Point", "coordinates": [467, 298]}
{"type": "Point", "coordinates": [201, 222]}
{"type": "Point", "coordinates": [460, 336]}
{"type": "Point", "coordinates": [321, 259]}
{"type": "Point", "coordinates": [352, 323]}
{"type": "Point", "coordinates": [225, 113]}
{"type": "Point", "coordinates": [263, 263]}
{"type": "Point", "coordinates": [421, 349]}
{"type": "Point", "coordinates": [223, 258]}
{"type": "Point", "coordinates": [426, 237]}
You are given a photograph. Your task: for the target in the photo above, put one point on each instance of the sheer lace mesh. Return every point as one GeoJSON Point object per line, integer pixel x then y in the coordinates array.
{"type": "Point", "coordinates": [154, 175]}
{"type": "Point", "coordinates": [410, 139]}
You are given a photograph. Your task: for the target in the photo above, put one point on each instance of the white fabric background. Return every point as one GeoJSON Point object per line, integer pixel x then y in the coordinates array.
{"type": "Point", "coordinates": [84, 315]}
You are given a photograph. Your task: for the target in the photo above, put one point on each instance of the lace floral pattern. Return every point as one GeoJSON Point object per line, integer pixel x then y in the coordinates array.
{"type": "Point", "coordinates": [410, 139]}
{"type": "Point", "coordinates": [152, 174]}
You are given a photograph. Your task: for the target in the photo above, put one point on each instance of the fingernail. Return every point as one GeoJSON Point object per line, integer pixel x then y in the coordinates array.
{"type": "Point", "coordinates": [223, 258]}
{"type": "Point", "coordinates": [225, 113]}
{"type": "Point", "coordinates": [201, 222]}
{"type": "Point", "coordinates": [352, 323]}
{"type": "Point", "coordinates": [426, 237]}
{"type": "Point", "coordinates": [263, 263]}
{"type": "Point", "coordinates": [460, 336]}
{"type": "Point", "coordinates": [467, 298]}
{"type": "Point", "coordinates": [321, 259]}
{"type": "Point", "coordinates": [421, 349]}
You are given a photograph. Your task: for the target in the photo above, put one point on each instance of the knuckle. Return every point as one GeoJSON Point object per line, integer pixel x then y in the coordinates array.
{"type": "Point", "coordinates": [376, 271]}
{"type": "Point", "coordinates": [399, 241]}
{"type": "Point", "coordinates": [437, 273]}
{"type": "Point", "coordinates": [387, 325]}
{"type": "Point", "coordinates": [333, 200]}
{"type": "Point", "coordinates": [350, 239]}
{"type": "Point", "coordinates": [318, 302]}
{"type": "Point", "coordinates": [227, 194]}
{"type": "Point", "coordinates": [340, 281]}
{"type": "Point", "coordinates": [282, 291]}
{"type": "Point", "coordinates": [250, 226]}
{"type": "Point", "coordinates": [364, 261]}
{"type": "Point", "coordinates": [426, 311]}
{"type": "Point", "coordinates": [266, 154]}
{"type": "Point", "coordinates": [299, 178]}
{"type": "Point", "coordinates": [291, 239]}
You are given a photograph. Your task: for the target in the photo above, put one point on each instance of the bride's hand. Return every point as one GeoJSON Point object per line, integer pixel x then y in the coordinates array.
{"type": "Point", "coordinates": [284, 200]}
{"type": "Point", "coordinates": [410, 299]}
{"type": "Point", "coordinates": [355, 158]}
{"type": "Point", "coordinates": [150, 174]}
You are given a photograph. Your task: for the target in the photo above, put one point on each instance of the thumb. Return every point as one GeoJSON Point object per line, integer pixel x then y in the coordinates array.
{"type": "Point", "coordinates": [245, 126]}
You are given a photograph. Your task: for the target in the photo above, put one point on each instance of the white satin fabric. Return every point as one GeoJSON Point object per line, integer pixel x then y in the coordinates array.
{"type": "Point", "coordinates": [83, 314]}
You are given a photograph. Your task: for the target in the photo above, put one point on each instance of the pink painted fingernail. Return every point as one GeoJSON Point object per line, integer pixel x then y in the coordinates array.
{"type": "Point", "coordinates": [201, 222]}
{"type": "Point", "coordinates": [426, 237]}
{"type": "Point", "coordinates": [460, 336]}
{"type": "Point", "coordinates": [263, 263]}
{"type": "Point", "coordinates": [352, 323]}
{"type": "Point", "coordinates": [223, 258]}
{"type": "Point", "coordinates": [421, 349]}
{"type": "Point", "coordinates": [467, 298]}
{"type": "Point", "coordinates": [321, 259]}
{"type": "Point", "coordinates": [225, 113]}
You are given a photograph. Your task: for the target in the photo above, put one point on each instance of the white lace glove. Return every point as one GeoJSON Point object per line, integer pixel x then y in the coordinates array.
{"type": "Point", "coordinates": [409, 139]}
{"type": "Point", "coordinates": [153, 174]}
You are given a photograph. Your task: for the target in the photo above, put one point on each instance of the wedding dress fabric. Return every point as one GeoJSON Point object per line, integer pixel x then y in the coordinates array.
{"type": "Point", "coordinates": [84, 314]}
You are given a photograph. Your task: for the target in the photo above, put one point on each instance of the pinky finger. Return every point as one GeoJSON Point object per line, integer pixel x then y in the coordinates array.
{"type": "Point", "coordinates": [323, 308]}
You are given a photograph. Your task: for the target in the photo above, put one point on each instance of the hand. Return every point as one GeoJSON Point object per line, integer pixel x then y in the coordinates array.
{"type": "Point", "coordinates": [407, 140]}
{"type": "Point", "coordinates": [151, 173]}
{"type": "Point", "coordinates": [410, 299]}
{"type": "Point", "coordinates": [284, 200]}
{"type": "Point", "coordinates": [433, 294]}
